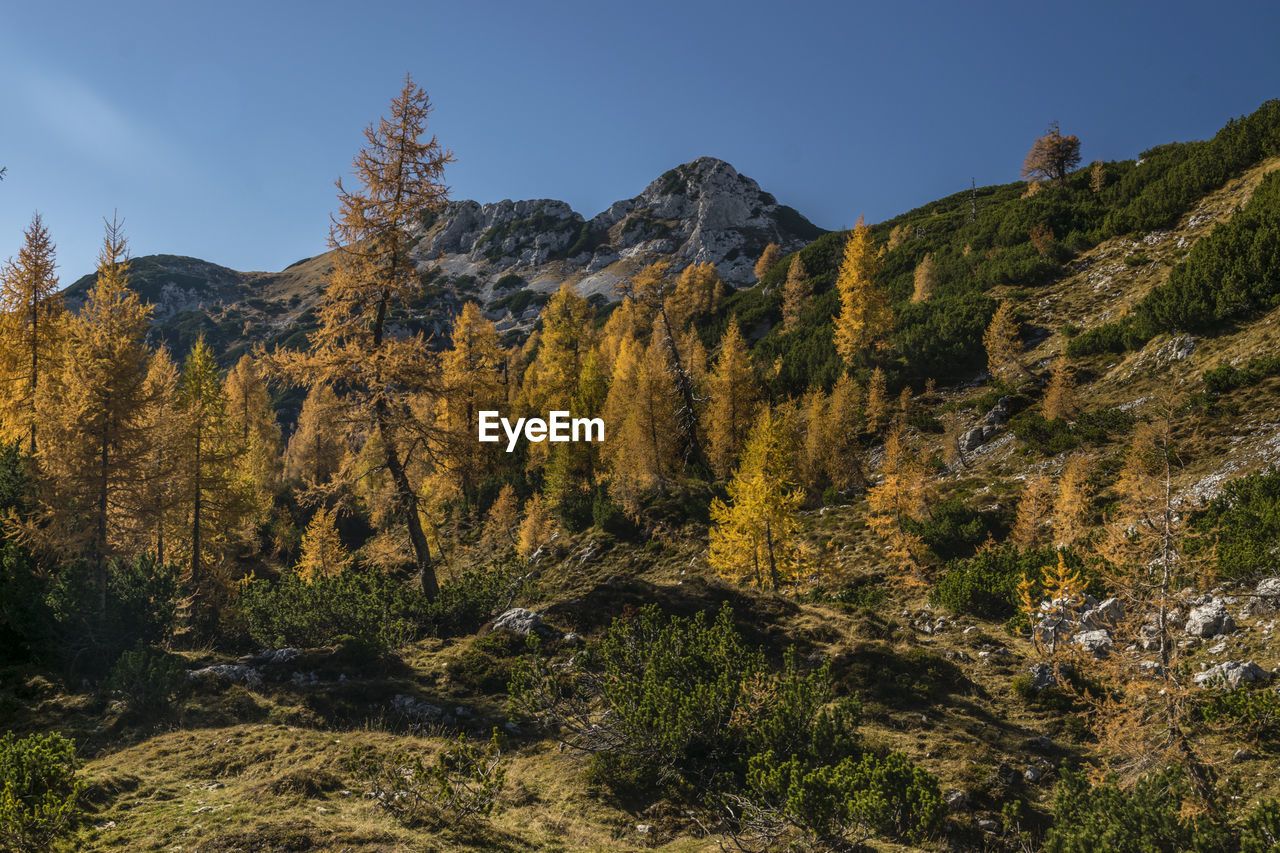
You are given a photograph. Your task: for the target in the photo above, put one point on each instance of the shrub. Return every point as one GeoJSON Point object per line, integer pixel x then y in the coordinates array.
{"type": "Point", "coordinates": [39, 791]}
{"type": "Point", "coordinates": [1245, 521]}
{"type": "Point", "coordinates": [462, 784]}
{"type": "Point", "coordinates": [986, 585]}
{"type": "Point", "coordinates": [147, 680]}
{"type": "Point", "coordinates": [1253, 713]}
{"type": "Point", "coordinates": [954, 529]}
{"type": "Point", "coordinates": [1261, 833]}
{"type": "Point", "coordinates": [1147, 818]}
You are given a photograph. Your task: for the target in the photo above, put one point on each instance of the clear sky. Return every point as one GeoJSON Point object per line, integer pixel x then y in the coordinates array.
{"type": "Point", "coordinates": [217, 128]}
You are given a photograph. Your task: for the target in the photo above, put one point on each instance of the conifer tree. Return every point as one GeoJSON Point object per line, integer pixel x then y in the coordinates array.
{"type": "Point", "coordinates": [323, 554]}
{"type": "Point", "coordinates": [471, 373]}
{"type": "Point", "coordinates": [1003, 344]}
{"type": "Point", "coordinates": [30, 311]}
{"type": "Point", "coordinates": [814, 443]}
{"type": "Point", "coordinates": [769, 258]}
{"type": "Point", "coordinates": [734, 395]}
{"type": "Point", "coordinates": [645, 453]}
{"type": "Point", "coordinates": [315, 451]}
{"type": "Point", "coordinates": [1035, 509]}
{"type": "Point", "coordinates": [158, 509]}
{"type": "Point", "coordinates": [924, 279]}
{"type": "Point", "coordinates": [565, 341]}
{"type": "Point", "coordinates": [877, 402]}
{"type": "Point", "coordinates": [537, 527]}
{"type": "Point", "coordinates": [866, 315]}
{"type": "Point", "coordinates": [502, 522]}
{"type": "Point", "coordinates": [252, 421]}
{"type": "Point", "coordinates": [902, 495]}
{"type": "Point", "coordinates": [1052, 156]}
{"type": "Point", "coordinates": [697, 295]}
{"type": "Point", "coordinates": [840, 435]}
{"type": "Point", "coordinates": [1098, 177]}
{"type": "Point", "coordinates": [399, 176]}
{"type": "Point", "coordinates": [754, 535]}
{"type": "Point", "coordinates": [94, 415]}
{"type": "Point", "coordinates": [797, 295]}
{"type": "Point", "coordinates": [1071, 509]}
{"type": "Point", "coordinates": [1060, 396]}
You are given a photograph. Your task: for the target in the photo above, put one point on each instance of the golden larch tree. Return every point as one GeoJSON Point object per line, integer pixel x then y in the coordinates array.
{"type": "Point", "coordinates": [1052, 156]}
{"type": "Point", "coordinates": [697, 295]}
{"type": "Point", "coordinates": [471, 381]}
{"type": "Point", "coordinates": [924, 279]}
{"type": "Point", "coordinates": [1035, 511]}
{"type": "Point", "coordinates": [536, 528]}
{"type": "Point", "coordinates": [797, 295]}
{"type": "Point", "coordinates": [1003, 344]}
{"type": "Point", "coordinates": [1072, 507]}
{"type": "Point", "coordinates": [901, 496]}
{"type": "Point", "coordinates": [1060, 396]}
{"type": "Point", "coordinates": [866, 315]}
{"type": "Point", "coordinates": [734, 394]}
{"type": "Point", "coordinates": [253, 424]}
{"type": "Point", "coordinates": [315, 452]}
{"type": "Point", "coordinates": [502, 522]}
{"type": "Point", "coordinates": [323, 554]}
{"type": "Point", "coordinates": [754, 535]}
{"type": "Point", "coordinates": [768, 260]}
{"type": "Point", "coordinates": [158, 511]}
{"type": "Point", "coordinates": [30, 311]}
{"type": "Point", "coordinates": [877, 413]}
{"type": "Point", "coordinates": [399, 175]}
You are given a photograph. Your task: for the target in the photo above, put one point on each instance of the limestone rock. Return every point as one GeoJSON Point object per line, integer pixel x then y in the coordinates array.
{"type": "Point", "coordinates": [1231, 673]}
{"type": "Point", "coordinates": [1210, 619]}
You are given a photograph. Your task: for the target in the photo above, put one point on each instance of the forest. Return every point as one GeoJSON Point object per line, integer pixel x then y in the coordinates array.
{"type": "Point", "coordinates": [778, 573]}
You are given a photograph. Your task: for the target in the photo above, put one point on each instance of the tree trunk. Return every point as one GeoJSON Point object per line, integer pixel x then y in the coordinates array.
{"type": "Point", "coordinates": [407, 499]}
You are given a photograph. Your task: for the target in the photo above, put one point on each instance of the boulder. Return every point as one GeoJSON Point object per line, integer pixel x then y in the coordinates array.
{"type": "Point", "coordinates": [1210, 619]}
{"type": "Point", "coordinates": [524, 622]}
{"type": "Point", "coordinates": [1096, 643]}
{"type": "Point", "coordinates": [1231, 673]}
{"type": "Point", "coordinates": [957, 801]}
{"type": "Point", "coordinates": [1105, 615]}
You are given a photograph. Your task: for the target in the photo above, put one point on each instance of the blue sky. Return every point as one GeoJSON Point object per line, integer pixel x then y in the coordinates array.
{"type": "Point", "coordinates": [217, 129]}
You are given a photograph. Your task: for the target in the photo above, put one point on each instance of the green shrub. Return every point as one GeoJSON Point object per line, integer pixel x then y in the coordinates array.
{"type": "Point", "coordinates": [986, 585]}
{"type": "Point", "coordinates": [1255, 714]}
{"type": "Point", "coordinates": [1147, 818]}
{"type": "Point", "coordinates": [462, 784]}
{"type": "Point", "coordinates": [39, 791]}
{"type": "Point", "coordinates": [1261, 832]}
{"type": "Point", "coordinates": [147, 680]}
{"type": "Point", "coordinates": [954, 529]}
{"type": "Point", "coordinates": [1052, 437]}
{"type": "Point", "coordinates": [1245, 522]}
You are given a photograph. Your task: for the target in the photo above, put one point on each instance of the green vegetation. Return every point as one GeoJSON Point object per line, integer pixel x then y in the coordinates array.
{"type": "Point", "coordinates": [40, 791]}
{"type": "Point", "coordinates": [1244, 521]}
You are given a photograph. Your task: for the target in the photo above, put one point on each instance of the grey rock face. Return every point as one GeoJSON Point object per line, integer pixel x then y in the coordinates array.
{"type": "Point", "coordinates": [1210, 619]}
{"type": "Point", "coordinates": [523, 622]}
{"type": "Point", "coordinates": [1096, 643]}
{"type": "Point", "coordinates": [1232, 674]}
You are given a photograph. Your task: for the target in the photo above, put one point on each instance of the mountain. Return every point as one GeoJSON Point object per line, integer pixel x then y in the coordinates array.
{"type": "Point", "coordinates": [509, 255]}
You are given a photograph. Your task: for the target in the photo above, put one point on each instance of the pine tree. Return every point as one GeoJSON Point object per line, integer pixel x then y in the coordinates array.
{"type": "Point", "coordinates": [399, 177]}
{"type": "Point", "coordinates": [754, 535]}
{"type": "Point", "coordinates": [94, 415]}
{"type": "Point", "coordinates": [797, 295]}
{"type": "Point", "coordinates": [30, 314]}
{"type": "Point", "coordinates": [1059, 397]}
{"type": "Point", "coordinates": [877, 402]}
{"type": "Point", "coordinates": [734, 395]}
{"type": "Point", "coordinates": [769, 258]}
{"type": "Point", "coordinates": [866, 316]}
{"type": "Point", "coordinates": [323, 554]}
{"type": "Point", "coordinates": [924, 279]}
{"type": "Point", "coordinates": [1003, 344]}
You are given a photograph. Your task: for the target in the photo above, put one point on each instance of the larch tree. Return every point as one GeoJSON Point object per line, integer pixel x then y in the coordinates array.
{"type": "Point", "coordinates": [1072, 506]}
{"type": "Point", "coordinates": [1060, 396]}
{"type": "Point", "coordinates": [1098, 177]}
{"type": "Point", "coordinates": [901, 496]}
{"type": "Point", "coordinates": [536, 528]}
{"type": "Point", "coordinates": [866, 315]}
{"type": "Point", "coordinates": [877, 413]}
{"type": "Point", "coordinates": [1052, 156]}
{"type": "Point", "coordinates": [797, 295]}
{"type": "Point", "coordinates": [252, 421]}
{"type": "Point", "coordinates": [1003, 344]}
{"type": "Point", "coordinates": [566, 338]}
{"type": "Point", "coordinates": [1035, 511]}
{"type": "Point", "coordinates": [95, 415]}
{"type": "Point", "coordinates": [734, 395]}
{"type": "Point", "coordinates": [643, 449]}
{"type": "Point", "coordinates": [814, 442]}
{"type": "Point", "coordinates": [30, 311]}
{"type": "Point", "coordinates": [502, 522]}
{"type": "Point", "coordinates": [768, 259]}
{"type": "Point", "coordinates": [399, 176]}
{"type": "Point", "coordinates": [471, 381]}
{"type": "Point", "coordinates": [315, 452]}
{"type": "Point", "coordinates": [754, 535]}
{"type": "Point", "coordinates": [698, 294]}
{"type": "Point", "coordinates": [158, 504]}
{"type": "Point", "coordinates": [840, 435]}
{"type": "Point", "coordinates": [323, 554]}
{"type": "Point", "coordinates": [924, 279]}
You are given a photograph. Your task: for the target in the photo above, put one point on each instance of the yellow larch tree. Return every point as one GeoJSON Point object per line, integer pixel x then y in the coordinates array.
{"type": "Point", "coordinates": [471, 381]}
{"type": "Point", "coordinates": [840, 435]}
{"type": "Point", "coordinates": [902, 495]}
{"type": "Point", "coordinates": [399, 175]}
{"type": "Point", "coordinates": [252, 421]}
{"type": "Point", "coordinates": [697, 295]}
{"type": "Point", "coordinates": [323, 554]}
{"type": "Point", "coordinates": [1003, 344]}
{"type": "Point", "coordinates": [866, 315]}
{"type": "Point", "coordinates": [754, 535]}
{"type": "Point", "coordinates": [877, 402]}
{"type": "Point", "coordinates": [536, 528]}
{"type": "Point", "coordinates": [797, 295]}
{"type": "Point", "coordinates": [924, 279]}
{"type": "Point", "coordinates": [30, 315]}
{"type": "Point", "coordinates": [158, 521]}
{"type": "Point", "coordinates": [94, 416]}
{"type": "Point", "coordinates": [768, 259]}
{"type": "Point", "coordinates": [734, 395]}
{"type": "Point", "coordinates": [566, 338]}
{"type": "Point", "coordinates": [1035, 511]}
{"type": "Point", "coordinates": [814, 444]}
{"type": "Point", "coordinates": [1071, 509]}
{"type": "Point", "coordinates": [316, 449]}
{"type": "Point", "coordinates": [1060, 396]}
{"type": "Point", "coordinates": [502, 522]}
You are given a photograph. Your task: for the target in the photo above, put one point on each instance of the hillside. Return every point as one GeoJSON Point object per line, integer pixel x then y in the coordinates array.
{"type": "Point", "coordinates": [915, 677]}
